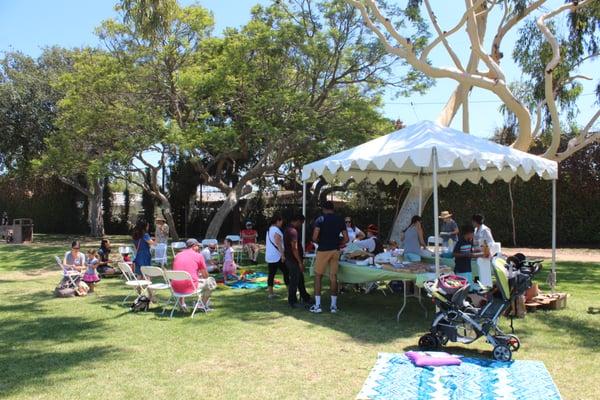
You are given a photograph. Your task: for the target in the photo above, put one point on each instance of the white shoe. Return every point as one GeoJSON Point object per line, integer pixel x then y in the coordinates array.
{"type": "Point", "coordinates": [334, 309]}
{"type": "Point", "coordinates": [315, 309]}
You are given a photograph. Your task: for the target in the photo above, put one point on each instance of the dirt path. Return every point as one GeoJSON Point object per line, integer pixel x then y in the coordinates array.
{"type": "Point", "coordinates": [581, 255]}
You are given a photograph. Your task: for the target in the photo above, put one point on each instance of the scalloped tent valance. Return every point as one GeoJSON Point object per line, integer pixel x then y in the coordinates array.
{"type": "Point", "coordinates": [406, 154]}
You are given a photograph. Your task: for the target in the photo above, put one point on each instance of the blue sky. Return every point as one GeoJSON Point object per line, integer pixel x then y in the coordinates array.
{"type": "Point", "coordinates": [29, 25]}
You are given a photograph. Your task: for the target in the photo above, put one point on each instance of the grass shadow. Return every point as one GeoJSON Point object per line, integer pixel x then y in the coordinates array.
{"type": "Point", "coordinates": [23, 360]}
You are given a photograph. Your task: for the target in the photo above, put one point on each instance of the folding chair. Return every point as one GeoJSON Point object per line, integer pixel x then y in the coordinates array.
{"type": "Point", "coordinates": [197, 293]}
{"type": "Point", "coordinates": [160, 254]}
{"type": "Point", "coordinates": [431, 241]}
{"type": "Point", "coordinates": [71, 274]}
{"type": "Point", "coordinates": [238, 248]}
{"type": "Point", "coordinates": [177, 246]}
{"type": "Point", "coordinates": [156, 272]}
{"type": "Point", "coordinates": [138, 285]}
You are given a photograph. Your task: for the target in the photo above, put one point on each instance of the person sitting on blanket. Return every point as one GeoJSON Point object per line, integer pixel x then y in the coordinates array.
{"type": "Point", "coordinates": [191, 261]}
{"type": "Point", "coordinates": [371, 244]}
{"type": "Point", "coordinates": [208, 252]}
{"type": "Point", "coordinates": [464, 252]}
{"type": "Point", "coordinates": [104, 267]}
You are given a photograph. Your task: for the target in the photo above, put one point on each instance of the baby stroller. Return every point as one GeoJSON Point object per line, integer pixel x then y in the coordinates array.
{"type": "Point", "coordinates": [458, 321]}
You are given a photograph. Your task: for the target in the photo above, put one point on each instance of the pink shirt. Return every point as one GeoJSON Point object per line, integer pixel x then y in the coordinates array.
{"type": "Point", "coordinates": [191, 262]}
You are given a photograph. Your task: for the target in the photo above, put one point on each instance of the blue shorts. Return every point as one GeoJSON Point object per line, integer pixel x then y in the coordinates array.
{"type": "Point", "coordinates": [412, 257]}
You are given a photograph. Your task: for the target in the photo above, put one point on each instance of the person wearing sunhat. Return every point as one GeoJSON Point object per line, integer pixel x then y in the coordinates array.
{"type": "Point", "coordinates": [448, 228]}
{"type": "Point", "coordinates": [162, 230]}
{"type": "Point", "coordinates": [372, 244]}
{"type": "Point", "coordinates": [249, 236]}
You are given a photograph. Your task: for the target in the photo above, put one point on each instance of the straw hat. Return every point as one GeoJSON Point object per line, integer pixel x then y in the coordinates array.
{"type": "Point", "coordinates": [445, 214]}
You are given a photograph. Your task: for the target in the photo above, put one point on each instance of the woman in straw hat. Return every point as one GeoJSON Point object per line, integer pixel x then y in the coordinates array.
{"type": "Point", "coordinates": [162, 230]}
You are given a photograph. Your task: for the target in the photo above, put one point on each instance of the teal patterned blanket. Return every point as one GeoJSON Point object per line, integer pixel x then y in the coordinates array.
{"type": "Point", "coordinates": [395, 377]}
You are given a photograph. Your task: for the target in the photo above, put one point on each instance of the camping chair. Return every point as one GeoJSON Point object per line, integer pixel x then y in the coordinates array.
{"type": "Point", "coordinates": [197, 294]}
{"type": "Point", "coordinates": [71, 274]}
{"type": "Point", "coordinates": [156, 272]}
{"type": "Point", "coordinates": [237, 247]}
{"type": "Point", "coordinates": [138, 285]}
{"type": "Point", "coordinates": [175, 246]}
{"type": "Point", "coordinates": [160, 254]}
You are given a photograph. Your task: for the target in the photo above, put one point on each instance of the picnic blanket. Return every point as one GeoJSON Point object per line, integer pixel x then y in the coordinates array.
{"type": "Point", "coordinates": [252, 280]}
{"type": "Point", "coordinates": [395, 377]}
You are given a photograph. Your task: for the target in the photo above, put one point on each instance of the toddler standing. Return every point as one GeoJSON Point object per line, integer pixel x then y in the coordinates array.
{"type": "Point", "coordinates": [229, 266]}
{"type": "Point", "coordinates": [91, 274]}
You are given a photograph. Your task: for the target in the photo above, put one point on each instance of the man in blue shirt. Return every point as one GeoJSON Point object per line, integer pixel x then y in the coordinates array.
{"type": "Point", "coordinates": [327, 235]}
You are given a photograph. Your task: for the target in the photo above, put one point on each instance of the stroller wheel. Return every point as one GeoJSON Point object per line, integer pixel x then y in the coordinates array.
{"type": "Point", "coordinates": [429, 342]}
{"type": "Point", "coordinates": [442, 339]}
{"type": "Point", "coordinates": [502, 353]}
{"type": "Point", "coordinates": [513, 343]}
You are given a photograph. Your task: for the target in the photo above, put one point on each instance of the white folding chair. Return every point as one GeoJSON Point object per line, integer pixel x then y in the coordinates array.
{"type": "Point", "coordinates": [237, 246]}
{"type": "Point", "coordinates": [70, 273]}
{"type": "Point", "coordinates": [431, 241]}
{"type": "Point", "coordinates": [175, 246]}
{"type": "Point", "coordinates": [197, 293]}
{"type": "Point", "coordinates": [138, 285]}
{"type": "Point", "coordinates": [160, 254]}
{"type": "Point", "coordinates": [155, 272]}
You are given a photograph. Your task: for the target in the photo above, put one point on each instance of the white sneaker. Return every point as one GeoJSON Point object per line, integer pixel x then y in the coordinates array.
{"type": "Point", "coordinates": [315, 309]}
{"type": "Point", "coordinates": [334, 309]}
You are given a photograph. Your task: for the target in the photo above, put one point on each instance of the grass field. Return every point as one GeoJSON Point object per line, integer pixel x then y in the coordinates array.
{"type": "Point", "coordinates": [250, 347]}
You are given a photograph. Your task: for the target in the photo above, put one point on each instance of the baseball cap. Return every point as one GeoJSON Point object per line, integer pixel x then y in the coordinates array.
{"type": "Point", "coordinates": [192, 242]}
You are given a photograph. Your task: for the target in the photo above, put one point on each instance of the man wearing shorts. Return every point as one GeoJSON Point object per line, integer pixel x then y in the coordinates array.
{"type": "Point", "coordinates": [326, 234]}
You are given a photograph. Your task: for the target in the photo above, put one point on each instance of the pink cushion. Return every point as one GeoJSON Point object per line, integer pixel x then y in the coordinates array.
{"type": "Point", "coordinates": [432, 358]}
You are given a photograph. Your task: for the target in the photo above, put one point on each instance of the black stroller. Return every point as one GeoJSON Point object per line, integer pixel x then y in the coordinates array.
{"type": "Point", "coordinates": [459, 321]}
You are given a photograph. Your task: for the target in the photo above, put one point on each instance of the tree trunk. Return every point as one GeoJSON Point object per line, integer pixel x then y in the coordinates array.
{"type": "Point", "coordinates": [217, 221]}
{"type": "Point", "coordinates": [165, 206]}
{"type": "Point", "coordinates": [95, 213]}
{"type": "Point", "coordinates": [410, 207]}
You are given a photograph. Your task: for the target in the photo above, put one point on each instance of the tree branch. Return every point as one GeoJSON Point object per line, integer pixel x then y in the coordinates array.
{"type": "Point", "coordinates": [504, 28]}
{"type": "Point", "coordinates": [552, 64]}
{"type": "Point", "coordinates": [442, 35]}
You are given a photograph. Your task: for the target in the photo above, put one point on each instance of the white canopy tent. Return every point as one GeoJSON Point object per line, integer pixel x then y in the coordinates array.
{"type": "Point", "coordinates": [427, 154]}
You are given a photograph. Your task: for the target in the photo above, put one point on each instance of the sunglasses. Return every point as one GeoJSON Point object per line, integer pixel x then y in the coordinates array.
{"type": "Point", "coordinates": [348, 221]}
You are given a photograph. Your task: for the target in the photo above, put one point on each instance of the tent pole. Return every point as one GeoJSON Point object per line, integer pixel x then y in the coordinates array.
{"type": "Point", "coordinates": [436, 222]}
{"type": "Point", "coordinates": [553, 234]}
{"type": "Point", "coordinates": [304, 213]}
{"type": "Point", "coordinates": [420, 195]}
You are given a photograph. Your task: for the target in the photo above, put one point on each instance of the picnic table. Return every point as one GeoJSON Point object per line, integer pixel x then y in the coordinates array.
{"type": "Point", "coordinates": [353, 273]}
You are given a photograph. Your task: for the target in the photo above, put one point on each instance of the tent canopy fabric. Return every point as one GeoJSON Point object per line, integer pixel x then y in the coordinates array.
{"type": "Point", "coordinates": [406, 156]}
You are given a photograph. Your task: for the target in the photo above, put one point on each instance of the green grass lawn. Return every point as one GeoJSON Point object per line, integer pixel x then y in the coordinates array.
{"type": "Point", "coordinates": [250, 347]}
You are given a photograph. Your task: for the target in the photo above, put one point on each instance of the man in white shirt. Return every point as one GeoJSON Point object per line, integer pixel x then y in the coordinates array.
{"type": "Point", "coordinates": [208, 253]}
{"type": "Point", "coordinates": [482, 232]}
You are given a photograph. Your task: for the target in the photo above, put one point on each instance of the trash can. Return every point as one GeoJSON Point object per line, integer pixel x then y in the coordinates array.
{"type": "Point", "coordinates": [22, 230]}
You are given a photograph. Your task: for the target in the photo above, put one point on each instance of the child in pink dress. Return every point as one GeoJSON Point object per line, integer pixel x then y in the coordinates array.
{"type": "Point", "coordinates": [91, 276]}
{"type": "Point", "coordinates": [229, 266]}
